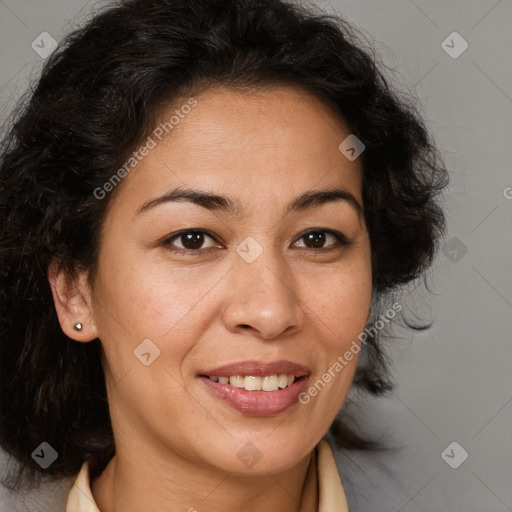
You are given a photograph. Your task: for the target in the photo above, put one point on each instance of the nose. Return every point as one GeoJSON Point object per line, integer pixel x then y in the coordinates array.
{"type": "Point", "coordinates": [263, 299]}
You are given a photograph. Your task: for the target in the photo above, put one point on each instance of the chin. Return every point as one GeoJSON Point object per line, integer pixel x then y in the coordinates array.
{"type": "Point", "coordinates": [263, 454]}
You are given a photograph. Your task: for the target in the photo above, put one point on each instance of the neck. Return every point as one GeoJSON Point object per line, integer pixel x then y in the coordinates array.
{"type": "Point", "coordinates": [140, 482]}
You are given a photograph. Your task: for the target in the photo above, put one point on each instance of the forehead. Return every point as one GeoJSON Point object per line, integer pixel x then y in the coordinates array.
{"type": "Point", "coordinates": [269, 143]}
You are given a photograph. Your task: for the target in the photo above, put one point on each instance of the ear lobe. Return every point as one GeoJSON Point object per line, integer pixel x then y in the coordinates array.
{"type": "Point", "coordinates": [73, 303]}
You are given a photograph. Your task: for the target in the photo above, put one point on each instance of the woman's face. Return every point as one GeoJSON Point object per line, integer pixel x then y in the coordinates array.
{"type": "Point", "coordinates": [244, 286]}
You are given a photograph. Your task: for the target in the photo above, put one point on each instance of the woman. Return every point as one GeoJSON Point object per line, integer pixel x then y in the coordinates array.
{"type": "Point", "coordinates": [207, 208]}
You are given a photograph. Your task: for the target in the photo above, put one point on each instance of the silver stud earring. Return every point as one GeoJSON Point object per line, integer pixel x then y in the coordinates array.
{"type": "Point", "coordinates": [78, 327]}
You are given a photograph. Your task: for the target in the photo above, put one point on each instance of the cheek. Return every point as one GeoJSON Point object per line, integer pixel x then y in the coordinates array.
{"type": "Point", "coordinates": [341, 300]}
{"type": "Point", "coordinates": [147, 297]}
{"type": "Point", "coordinates": [341, 313]}
{"type": "Point", "coordinates": [340, 303]}
{"type": "Point", "coordinates": [166, 305]}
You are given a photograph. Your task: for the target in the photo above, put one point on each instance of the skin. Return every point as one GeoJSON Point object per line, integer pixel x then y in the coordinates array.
{"type": "Point", "coordinates": [177, 443]}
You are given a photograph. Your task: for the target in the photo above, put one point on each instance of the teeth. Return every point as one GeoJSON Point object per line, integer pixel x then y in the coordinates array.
{"type": "Point", "coordinates": [237, 381]}
{"type": "Point", "coordinates": [252, 383]}
{"type": "Point", "coordinates": [270, 383]}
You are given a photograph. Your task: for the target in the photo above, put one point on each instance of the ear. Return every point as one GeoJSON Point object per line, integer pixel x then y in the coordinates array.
{"type": "Point", "coordinates": [72, 297]}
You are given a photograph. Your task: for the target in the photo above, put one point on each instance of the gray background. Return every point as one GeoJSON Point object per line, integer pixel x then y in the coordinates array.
{"type": "Point", "coordinates": [454, 381]}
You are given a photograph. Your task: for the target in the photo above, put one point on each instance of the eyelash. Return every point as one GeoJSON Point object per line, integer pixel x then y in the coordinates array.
{"type": "Point", "coordinates": [342, 240]}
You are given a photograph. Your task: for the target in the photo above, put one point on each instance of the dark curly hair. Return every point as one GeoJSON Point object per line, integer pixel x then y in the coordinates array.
{"type": "Point", "coordinates": [98, 96]}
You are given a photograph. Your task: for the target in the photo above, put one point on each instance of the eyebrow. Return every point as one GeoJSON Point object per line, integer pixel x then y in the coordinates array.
{"type": "Point", "coordinates": [215, 202]}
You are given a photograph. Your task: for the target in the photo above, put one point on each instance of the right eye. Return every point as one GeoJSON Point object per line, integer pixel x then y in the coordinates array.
{"type": "Point", "coordinates": [191, 241]}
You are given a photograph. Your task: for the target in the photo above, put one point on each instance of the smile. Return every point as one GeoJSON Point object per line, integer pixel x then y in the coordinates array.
{"type": "Point", "coordinates": [257, 383]}
{"type": "Point", "coordinates": [257, 388]}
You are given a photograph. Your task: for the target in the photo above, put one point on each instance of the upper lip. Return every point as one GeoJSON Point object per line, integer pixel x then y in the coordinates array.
{"type": "Point", "coordinates": [258, 369]}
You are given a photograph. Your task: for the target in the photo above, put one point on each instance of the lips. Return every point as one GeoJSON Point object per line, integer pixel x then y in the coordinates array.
{"type": "Point", "coordinates": [258, 369]}
{"type": "Point", "coordinates": [257, 401]}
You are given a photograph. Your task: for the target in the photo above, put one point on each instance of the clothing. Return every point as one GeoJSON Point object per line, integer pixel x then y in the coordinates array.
{"type": "Point", "coordinates": [330, 490]}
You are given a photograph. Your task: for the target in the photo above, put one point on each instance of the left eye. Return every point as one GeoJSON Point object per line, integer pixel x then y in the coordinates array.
{"type": "Point", "coordinates": [317, 238]}
{"type": "Point", "coordinates": [190, 240]}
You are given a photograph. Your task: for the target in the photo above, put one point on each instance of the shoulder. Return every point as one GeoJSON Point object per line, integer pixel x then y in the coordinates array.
{"type": "Point", "coordinates": [374, 480]}
{"type": "Point", "coordinates": [80, 498]}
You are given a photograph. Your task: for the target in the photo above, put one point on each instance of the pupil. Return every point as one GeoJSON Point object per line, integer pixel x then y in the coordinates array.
{"type": "Point", "coordinates": [192, 240]}
{"type": "Point", "coordinates": [317, 239]}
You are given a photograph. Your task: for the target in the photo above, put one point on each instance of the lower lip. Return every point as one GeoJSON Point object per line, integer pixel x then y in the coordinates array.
{"type": "Point", "coordinates": [257, 403]}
